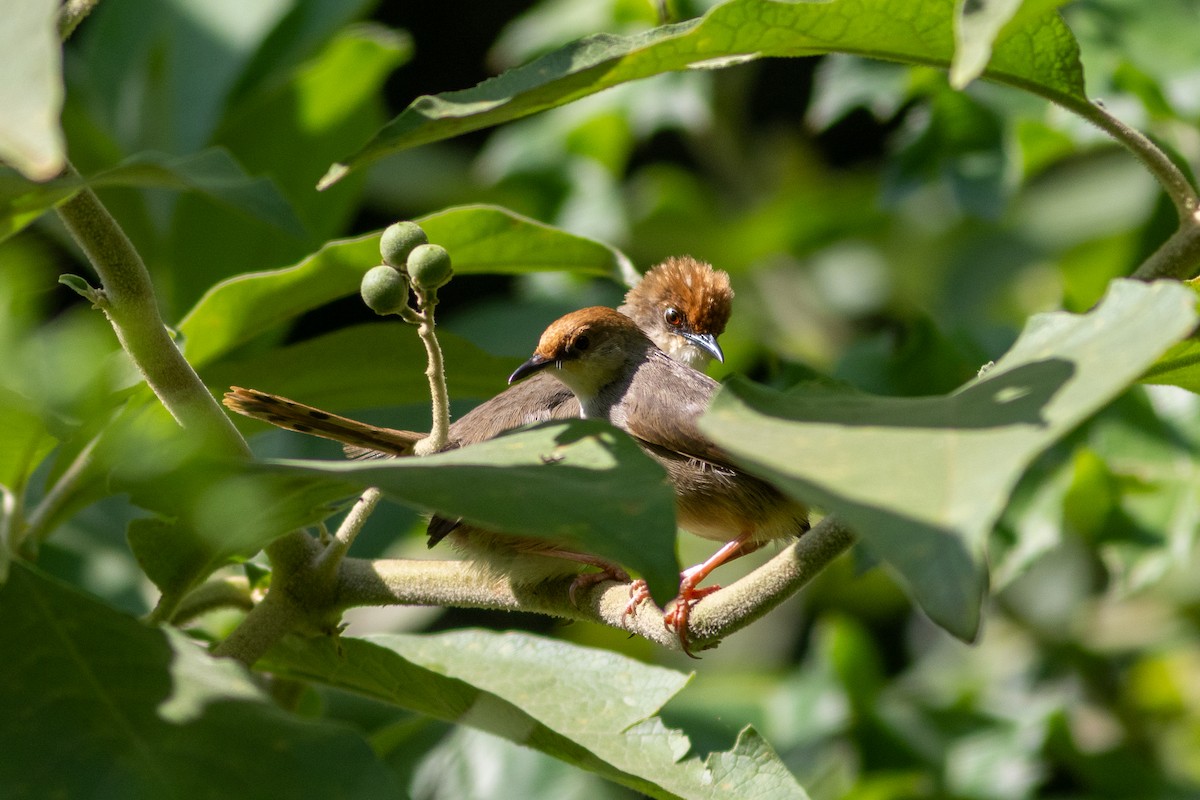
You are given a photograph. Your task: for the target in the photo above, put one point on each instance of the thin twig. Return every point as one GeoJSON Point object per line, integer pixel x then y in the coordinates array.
{"type": "Point", "coordinates": [1183, 195]}
{"type": "Point", "coordinates": [64, 488]}
{"type": "Point", "coordinates": [435, 370]}
{"type": "Point", "coordinates": [348, 531]}
{"type": "Point", "coordinates": [231, 592]}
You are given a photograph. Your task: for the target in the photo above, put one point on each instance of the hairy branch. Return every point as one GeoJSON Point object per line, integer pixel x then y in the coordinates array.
{"type": "Point", "coordinates": [459, 583]}
{"type": "Point", "coordinates": [127, 299]}
{"type": "Point", "coordinates": [221, 593]}
{"type": "Point", "coordinates": [267, 623]}
{"type": "Point", "coordinates": [348, 531]}
{"type": "Point", "coordinates": [435, 370]}
{"type": "Point", "coordinates": [1173, 181]}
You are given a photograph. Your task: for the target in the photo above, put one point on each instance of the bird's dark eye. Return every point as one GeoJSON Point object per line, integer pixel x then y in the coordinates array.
{"type": "Point", "coordinates": [673, 317]}
{"type": "Point", "coordinates": [582, 343]}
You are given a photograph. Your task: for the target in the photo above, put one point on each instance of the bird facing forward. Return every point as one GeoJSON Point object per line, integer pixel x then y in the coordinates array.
{"type": "Point", "coordinates": [618, 374]}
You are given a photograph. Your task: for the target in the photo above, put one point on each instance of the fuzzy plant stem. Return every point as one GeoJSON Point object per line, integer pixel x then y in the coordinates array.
{"type": "Point", "coordinates": [435, 370]}
{"type": "Point", "coordinates": [40, 520]}
{"type": "Point", "coordinates": [1173, 181]}
{"type": "Point", "coordinates": [296, 597]}
{"type": "Point", "coordinates": [348, 531]}
{"type": "Point", "coordinates": [384, 582]}
{"type": "Point", "coordinates": [219, 593]}
{"type": "Point", "coordinates": [126, 296]}
{"type": "Point", "coordinates": [1178, 257]}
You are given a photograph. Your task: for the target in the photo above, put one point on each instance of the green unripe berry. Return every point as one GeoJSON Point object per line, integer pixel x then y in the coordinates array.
{"type": "Point", "coordinates": [398, 240]}
{"type": "Point", "coordinates": [385, 290]}
{"type": "Point", "coordinates": [429, 266]}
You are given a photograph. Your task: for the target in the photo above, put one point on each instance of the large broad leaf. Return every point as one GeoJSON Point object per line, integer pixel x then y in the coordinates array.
{"type": "Point", "coordinates": [1179, 366]}
{"type": "Point", "coordinates": [25, 441]}
{"type": "Point", "coordinates": [304, 27]}
{"type": "Point", "coordinates": [481, 239]}
{"type": "Point", "coordinates": [32, 92]}
{"type": "Point", "coordinates": [99, 705]}
{"type": "Point", "coordinates": [979, 23]}
{"type": "Point", "coordinates": [924, 479]}
{"type": "Point", "coordinates": [582, 483]}
{"type": "Point", "coordinates": [1039, 55]}
{"type": "Point", "coordinates": [212, 172]}
{"type": "Point", "coordinates": [364, 366]}
{"type": "Point", "coordinates": [212, 515]}
{"type": "Point", "coordinates": [591, 708]}
{"type": "Point", "coordinates": [289, 130]}
{"type": "Point", "coordinates": [210, 510]}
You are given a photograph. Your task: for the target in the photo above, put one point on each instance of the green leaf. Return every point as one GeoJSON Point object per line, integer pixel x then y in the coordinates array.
{"type": "Point", "coordinates": [81, 287]}
{"type": "Point", "coordinates": [977, 25]}
{"type": "Point", "coordinates": [591, 708]}
{"type": "Point", "coordinates": [481, 239]}
{"type": "Point", "coordinates": [25, 441]}
{"type": "Point", "coordinates": [31, 94]}
{"type": "Point", "coordinates": [488, 239]}
{"type": "Point", "coordinates": [306, 26]}
{"type": "Point", "coordinates": [364, 366]}
{"type": "Point", "coordinates": [1179, 366]}
{"type": "Point", "coordinates": [1032, 524]}
{"type": "Point", "coordinates": [240, 308]}
{"type": "Point", "coordinates": [1040, 56]}
{"type": "Point", "coordinates": [100, 705]}
{"type": "Point", "coordinates": [212, 510]}
{"type": "Point", "coordinates": [1148, 460]}
{"type": "Point", "coordinates": [290, 130]}
{"type": "Point", "coordinates": [923, 479]}
{"type": "Point", "coordinates": [218, 515]}
{"type": "Point", "coordinates": [178, 61]}
{"type": "Point", "coordinates": [212, 172]}
{"type": "Point", "coordinates": [544, 483]}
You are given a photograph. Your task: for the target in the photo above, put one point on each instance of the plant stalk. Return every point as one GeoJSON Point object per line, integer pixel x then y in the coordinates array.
{"type": "Point", "coordinates": [435, 371]}
{"type": "Point", "coordinates": [127, 299]}
{"type": "Point", "coordinates": [1178, 257]}
{"type": "Point", "coordinates": [460, 584]}
{"type": "Point", "coordinates": [348, 531]}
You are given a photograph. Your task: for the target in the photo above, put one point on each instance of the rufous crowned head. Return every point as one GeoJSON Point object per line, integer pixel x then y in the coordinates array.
{"type": "Point", "coordinates": [684, 305]}
{"type": "Point", "coordinates": [595, 341]}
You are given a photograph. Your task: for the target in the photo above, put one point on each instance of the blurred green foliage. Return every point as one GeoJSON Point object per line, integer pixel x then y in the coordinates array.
{"type": "Point", "coordinates": [885, 233]}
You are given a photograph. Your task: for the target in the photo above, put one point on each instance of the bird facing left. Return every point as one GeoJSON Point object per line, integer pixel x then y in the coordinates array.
{"type": "Point", "coordinates": [681, 304]}
{"type": "Point", "coordinates": [619, 375]}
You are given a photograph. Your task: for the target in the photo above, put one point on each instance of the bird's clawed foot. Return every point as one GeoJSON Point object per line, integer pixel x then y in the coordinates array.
{"type": "Point", "coordinates": [586, 580]}
{"type": "Point", "coordinates": [678, 613]}
{"type": "Point", "coordinates": [638, 593]}
{"type": "Point", "coordinates": [678, 616]}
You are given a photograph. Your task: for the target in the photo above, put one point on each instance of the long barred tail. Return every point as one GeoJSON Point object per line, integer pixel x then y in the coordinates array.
{"type": "Point", "coordinates": [357, 436]}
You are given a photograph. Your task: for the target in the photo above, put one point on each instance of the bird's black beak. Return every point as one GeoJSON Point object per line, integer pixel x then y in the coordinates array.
{"type": "Point", "coordinates": [534, 364]}
{"type": "Point", "coordinates": [708, 342]}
